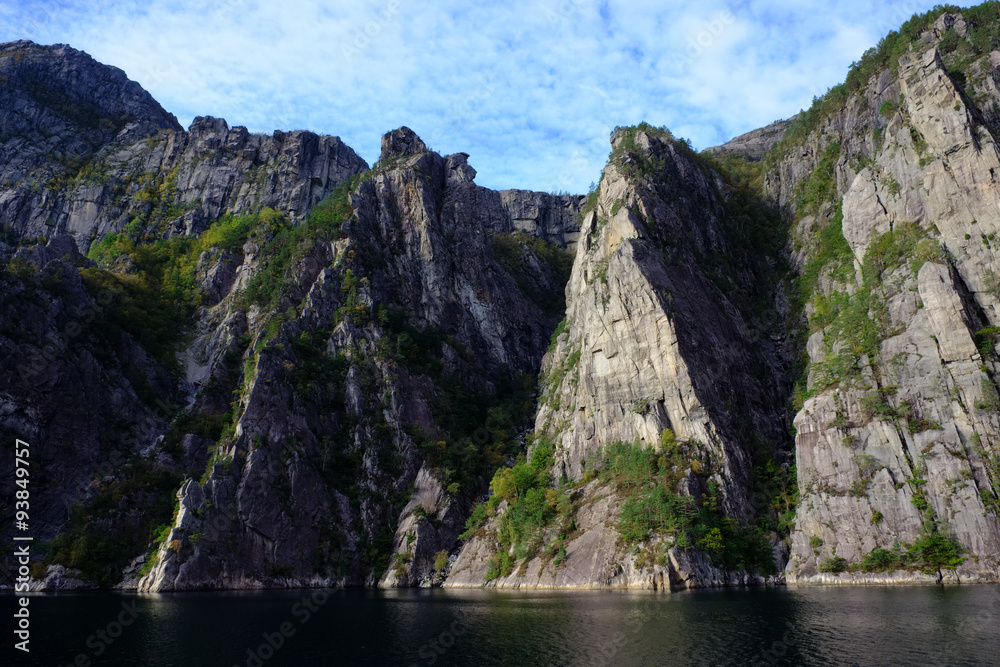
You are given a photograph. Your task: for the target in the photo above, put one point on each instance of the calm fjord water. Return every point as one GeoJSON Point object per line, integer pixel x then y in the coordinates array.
{"type": "Point", "coordinates": [783, 626]}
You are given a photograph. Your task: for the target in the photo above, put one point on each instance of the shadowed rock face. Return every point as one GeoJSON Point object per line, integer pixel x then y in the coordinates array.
{"type": "Point", "coordinates": [85, 397]}
{"type": "Point", "coordinates": [554, 218]}
{"type": "Point", "coordinates": [60, 101]}
{"type": "Point", "coordinates": [416, 239]}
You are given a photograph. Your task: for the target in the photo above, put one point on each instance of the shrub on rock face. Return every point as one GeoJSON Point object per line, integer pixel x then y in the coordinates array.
{"type": "Point", "coordinates": [833, 564]}
{"type": "Point", "coordinates": [440, 561]}
{"type": "Point", "coordinates": [935, 551]}
{"type": "Point", "coordinates": [883, 560]}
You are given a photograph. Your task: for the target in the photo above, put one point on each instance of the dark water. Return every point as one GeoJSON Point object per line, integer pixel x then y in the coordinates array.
{"type": "Point", "coordinates": [784, 626]}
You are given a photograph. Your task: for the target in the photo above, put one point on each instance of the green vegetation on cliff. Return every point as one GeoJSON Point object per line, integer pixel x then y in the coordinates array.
{"type": "Point", "coordinates": [983, 37]}
{"type": "Point", "coordinates": [535, 510]}
{"type": "Point", "coordinates": [647, 480]}
{"type": "Point", "coordinates": [540, 514]}
{"type": "Point", "coordinates": [288, 245]}
{"type": "Point", "coordinates": [518, 252]}
{"type": "Point", "coordinates": [854, 324]}
{"type": "Point", "coordinates": [104, 533]}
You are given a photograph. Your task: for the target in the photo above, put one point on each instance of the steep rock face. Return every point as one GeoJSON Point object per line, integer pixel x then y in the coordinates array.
{"type": "Point", "coordinates": [382, 362]}
{"type": "Point", "coordinates": [655, 339]}
{"type": "Point", "coordinates": [554, 218]}
{"type": "Point", "coordinates": [897, 438]}
{"type": "Point", "coordinates": [379, 333]}
{"type": "Point", "coordinates": [408, 321]}
{"type": "Point", "coordinates": [178, 182]}
{"type": "Point", "coordinates": [57, 103]}
{"type": "Point", "coordinates": [659, 343]}
{"type": "Point", "coordinates": [80, 388]}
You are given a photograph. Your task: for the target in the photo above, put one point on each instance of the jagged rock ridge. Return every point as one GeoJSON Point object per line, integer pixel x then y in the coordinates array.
{"type": "Point", "coordinates": [410, 300]}
{"type": "Point", "coordinates": [166, 183]}
{"type": "Point", "coordinates": [755, 144]}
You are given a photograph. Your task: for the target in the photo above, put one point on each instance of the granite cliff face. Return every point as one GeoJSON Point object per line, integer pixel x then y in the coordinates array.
{"type": "Point", "coordinates": [59, 104]}
{"type": "Point", "coordinates": [553, 218]}
{"type": "Point", "coordinates": [87, 392]}
{"type": "Point", "coordinates": [889, 184]}
{"type": "Point", "coordinates": [657, 339]}
{"type": "Point", "coordinates": [663, 338]}
{"type": "Point", "coordinates": [897, 433]}
{"type": "Point", "coordinates": [250, 361]}
{"type": "Point", "coordinates": [360, 359]}
{"type": "Point", "coordinates": [756, 144]}
{"type": "Point", "coordinates": [362, 429]}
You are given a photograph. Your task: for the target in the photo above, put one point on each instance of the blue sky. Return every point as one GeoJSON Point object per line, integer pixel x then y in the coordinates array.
{"type": "Point", "coordinates": [531, 90]}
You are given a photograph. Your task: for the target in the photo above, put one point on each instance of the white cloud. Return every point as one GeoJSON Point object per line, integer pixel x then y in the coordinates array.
{"type": "Point", "coordinates": [530, 90]}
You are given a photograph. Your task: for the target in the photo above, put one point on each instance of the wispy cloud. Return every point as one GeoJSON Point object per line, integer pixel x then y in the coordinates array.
{"type": "Point", "coordinates": [531, 90]}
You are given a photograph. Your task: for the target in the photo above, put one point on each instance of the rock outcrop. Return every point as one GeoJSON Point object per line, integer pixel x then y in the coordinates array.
{"type": "Point", "coordinates": [655, 340]}
{"type": "Point", "coordinates": [58, 104]}
{"type": "Point", "coordinates": [408, 317]}
{"type": "Point", "coordinates": [409, 326]}
{"type": "Point", "coordinates": [654, 336]}
{"type": "Point", "coordinates": [897, 436]}
{"type": "Point", "coordinates": [84, 151]}
{"type": "Point", "coordinates": [596, 559]}
{"type": "Point", "coordinates": [81, 386]}
{"type": "Point", "coordinates": [554, 218]}
{"type": "Point", "coordinates": [755, 144]}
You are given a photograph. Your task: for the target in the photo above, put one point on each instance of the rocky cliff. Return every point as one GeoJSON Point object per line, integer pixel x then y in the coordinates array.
{"type": "Point", "coordinates": [276, 367]}
{"type": "Point", "coordinates": [553, 218]}
{"type": "Point", "coordinates": [896, 445]}
{"type": "Point", "coordinates": [87, 390]}
{"type": "Point", "coordinates": [754, 145]}
{"type": "Point", "coordinates": [87, 152]}
{"type": "Point", "coordinates": [663, 349]}
{"type": "Point", "coordinates": [385, 381]}
{"type": "Point", "coordinates": [888, 184]}
{"type": "Point", "coordinates": [206, 246]}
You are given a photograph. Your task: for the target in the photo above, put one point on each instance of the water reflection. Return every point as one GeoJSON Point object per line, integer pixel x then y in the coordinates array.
{"type": "Point", "coordinates": [783, 626]}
